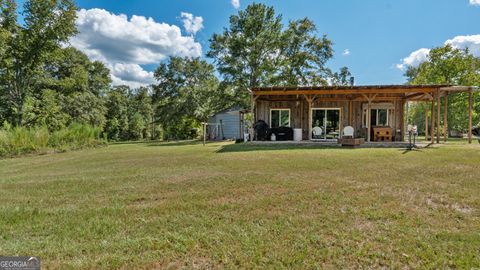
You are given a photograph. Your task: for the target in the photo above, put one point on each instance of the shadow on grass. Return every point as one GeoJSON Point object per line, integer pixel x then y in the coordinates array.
{"type": "Point", "coordinates": [406, 150]}
{"type": "Point", "coordinates": [133, 142]}
{"type": "Point", "coordinates": [417, 149]}
{"type": "Point", "coordinates": [175, 143]}
{"type": "Point", "coordinates": [240, 147]}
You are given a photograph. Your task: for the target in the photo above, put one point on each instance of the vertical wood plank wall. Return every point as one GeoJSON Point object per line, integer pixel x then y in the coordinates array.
{"type": "Point", "coordinates": [299, 114]}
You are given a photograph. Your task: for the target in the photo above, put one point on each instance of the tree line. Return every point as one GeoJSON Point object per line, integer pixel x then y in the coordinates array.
{"type": "Point", "coordinates": [44, 82]}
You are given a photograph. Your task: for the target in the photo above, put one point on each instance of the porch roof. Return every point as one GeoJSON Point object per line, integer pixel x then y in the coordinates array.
{"type": "Point", "coordinates": [418, 92]}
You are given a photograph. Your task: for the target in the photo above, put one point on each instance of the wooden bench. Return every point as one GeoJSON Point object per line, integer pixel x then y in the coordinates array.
{"type": "Point", "coordinates": [382, 134]}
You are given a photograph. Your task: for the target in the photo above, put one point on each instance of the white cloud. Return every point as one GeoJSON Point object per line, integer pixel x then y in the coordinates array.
{"type": "Point", "coordinates": [414, 59]}
{"type": "Point", "coordinates": [459, 42]}
{"type": "Point", "coordinates": [346, 52]}
{"type": "Point", "coordinates": [462, 42]}
{"type": "Point", "coordinates": [475, 2]}
{"type": "Point", "coordinates": [191, 23]}
{"type": "Point", "coordinates": [235, 3]}
{"type": "Point", "coordinates": [127, 43]}
{"type": "Point", "coordinates": [131, 74]}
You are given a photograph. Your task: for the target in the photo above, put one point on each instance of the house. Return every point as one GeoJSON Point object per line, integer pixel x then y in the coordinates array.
{"type": "Point", "coordinates": [322, 112]}
{"type": "Point", "coordinates": [226, 125]}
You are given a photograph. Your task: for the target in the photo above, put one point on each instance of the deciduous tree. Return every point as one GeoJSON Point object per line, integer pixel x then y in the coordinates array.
{"type": "Point", "coordinates": [447, 65]}
{"type": "Point", "coordinates": [257, 50]}
{"type": "Point", "coordinates": [187, 92]}
{"type": "Point", "coordinates": [246, 52]}
{"type": "Point", "coordinates": [47, 24]}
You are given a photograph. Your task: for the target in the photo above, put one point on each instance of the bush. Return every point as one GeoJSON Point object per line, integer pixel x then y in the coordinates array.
{"type": "Point", "coordinates": [185, 129]}
{"type": "Point", "coordinates": [22, 140]}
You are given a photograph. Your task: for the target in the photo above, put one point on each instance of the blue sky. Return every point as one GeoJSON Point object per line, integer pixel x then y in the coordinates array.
{"type": "Point", "coordinates": [377, 34]}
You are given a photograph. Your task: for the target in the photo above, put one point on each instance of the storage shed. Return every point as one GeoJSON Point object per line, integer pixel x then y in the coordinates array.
{"type": "Point", "coordinates": [226, 124]}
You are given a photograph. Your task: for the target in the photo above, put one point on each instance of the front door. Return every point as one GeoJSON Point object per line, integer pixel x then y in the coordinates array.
{"type": "Point", "coordinates": [325, 123]}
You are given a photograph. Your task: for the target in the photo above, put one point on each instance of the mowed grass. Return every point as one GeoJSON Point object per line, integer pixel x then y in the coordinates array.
{"type": "Point", "coordinates": [183, 205]}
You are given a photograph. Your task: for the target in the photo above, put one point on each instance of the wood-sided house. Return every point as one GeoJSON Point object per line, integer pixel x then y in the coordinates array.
{"type": "Point", "coordinates": [368, 109]}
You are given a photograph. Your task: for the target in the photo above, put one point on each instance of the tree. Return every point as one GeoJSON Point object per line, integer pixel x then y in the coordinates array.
{"type": "Point", "coordinates": [47, 24]}
{"type": "Point", "coordinates": [303, 55]}
{"type": "Point", "coordinates": [447, 65]}
{"type": "Point", "coordinates": [117, 113]}
{"type": "Point", "coordinates": [85, 108]}
{"type": "Point", "coordinates": [343, 77]}
{"type": "Point", "coordinates": [79, 87]}
{"type": "Point", "coordinates": [246, 51]}
{"type": "Point", "coordinates": [187, 92]}
{"type": "Point", "coordinates": [255, 50]}
{"type": "Point", "coordinates": [137, 126]}
{"type": "Point", "coordinates": [46, 111]}
{"type": "Point", "coordinates": [140, 114]}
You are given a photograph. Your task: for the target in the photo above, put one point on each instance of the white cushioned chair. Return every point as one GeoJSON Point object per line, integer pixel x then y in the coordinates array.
{"type": "Point", "coordinates": [348, 132]}
{"type": "Point", "coordinates": [317, 132]}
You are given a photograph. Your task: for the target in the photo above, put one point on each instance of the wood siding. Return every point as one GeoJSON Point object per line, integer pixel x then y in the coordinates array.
{"type": "Point", "coordinates": [299, 114]}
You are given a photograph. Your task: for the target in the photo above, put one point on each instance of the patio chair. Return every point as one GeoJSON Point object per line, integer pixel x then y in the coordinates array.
{"type": "Point", "coordinates": [348, 132]}
{"type": "Point", "coordinates": [317, 132]}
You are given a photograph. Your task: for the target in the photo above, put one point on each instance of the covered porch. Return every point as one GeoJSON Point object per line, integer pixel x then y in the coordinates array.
{"type": "Point", "coordinates": [375, 113]}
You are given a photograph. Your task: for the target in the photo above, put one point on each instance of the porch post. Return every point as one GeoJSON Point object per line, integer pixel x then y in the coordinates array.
{"type": "Point", "coordinates": [310, 116]}
{"type": "Point", "coordinates": [438, 116]}
{"type": "Point", "coordinates": [204, 133]}
{"type": "Point", "coordinates": [350, 113]}
{"type": "Point", "coordinates": [445, 117]}
{"type": "Point", "coordinates": [240, 123]}
{"type": "Point", "coordinates": [253, 100]}
{"type": "Point", "coordinates": [369, 124]}
{"type": "Point", "coordinates": [470, 116]}
{"type": "Point", "coordinates": [432, 127]}
{"type": "Point", "coordinates": [426, 122]}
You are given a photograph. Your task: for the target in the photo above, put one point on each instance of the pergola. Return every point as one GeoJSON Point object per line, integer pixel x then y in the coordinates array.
{"type": "Point", "coordinates": [374, 93]}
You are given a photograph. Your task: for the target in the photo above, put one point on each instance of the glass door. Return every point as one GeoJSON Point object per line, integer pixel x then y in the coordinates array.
{"type": "Point", "coordinates": [325, 124]}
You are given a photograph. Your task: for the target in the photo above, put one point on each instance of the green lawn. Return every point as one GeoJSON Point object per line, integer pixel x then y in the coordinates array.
{"type": "Point", "coordinates": [234, 206]}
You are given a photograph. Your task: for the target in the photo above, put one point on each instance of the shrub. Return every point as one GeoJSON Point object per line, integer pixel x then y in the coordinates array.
{"type": "Point", "coordinates": [76, 136]}
{"type": "Point", "coordinates": [19, 140]}
{"type": "Point", "coordinates": [22, 140]}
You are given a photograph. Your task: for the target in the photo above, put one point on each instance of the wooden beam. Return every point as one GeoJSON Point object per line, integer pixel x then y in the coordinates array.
{"type": "Point", "coordinates": [240, 123]}
{"type": "Point", "coordinates": [254, 101]}
{"type": "Point", "coordinates": [403, 123]}
{"type": "Point", "coordinates": [438, 116]}
{"type": "Point", "coordinates": [350, 112]}
{"type": "Point", "coordinates": [285, 98]}
{"type": "Point", "coordinates": [310, 116]}
{"type": "Point", "coordinates": [470, 103]}
{"type": "Point", "coordinates": [342, 91]}
{"type": "Point", "coordinates": [426, 122]}
{"type": "Point", "coordinates": [310, 99]}
{"type": "Point", "coordinates": [428, 96]}
{"type": "Point", "coordinates": [445, 117]}
{"type": "Point", "coordinates": [369, 124]}
{"type": "Point", "coordinates": [204, 133]}
{"type": "Point", "coordinates": [432, 127]}
{"type": "Point", "coordinates": [414, 95]}
{"type": "Point", "coordinates": [394, 125]}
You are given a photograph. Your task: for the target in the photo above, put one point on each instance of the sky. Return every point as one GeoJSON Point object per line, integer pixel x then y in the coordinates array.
{"type": "Point", "coordinates": [376, 39]}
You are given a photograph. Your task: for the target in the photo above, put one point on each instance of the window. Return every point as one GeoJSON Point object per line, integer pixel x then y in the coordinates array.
{"type": "Point", "coordinates": [279, 118]}
{"type": "Point", "coordinates": [378, 117]}
{"type": "Point", "coordinates": [325, 123]}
